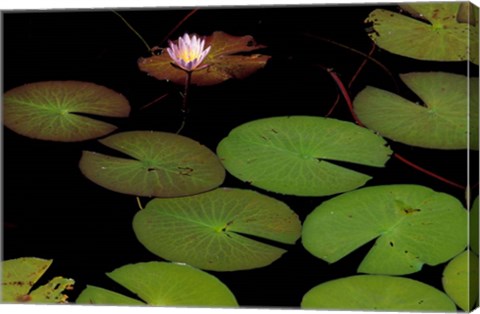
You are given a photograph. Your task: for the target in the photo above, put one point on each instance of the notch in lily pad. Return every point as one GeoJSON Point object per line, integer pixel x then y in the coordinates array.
{"type": "Point", "coordinates": [434, 31]}
{"type": "Point", "coordinates": [227, 59]}
{"type": "Point", "coordinates": [21, 274]}
{"type": "Point", "coordinates": [161, 165]}
{"type": "Point", "coordinates": [214, 230]}
{"type": "Point", "coordinates": [377, 293]}
{"type": "Point", "coordinates": [445, 121]}
{"type": "Point", "coordinates": [56, 110]}
{"type": "Point", "coordinates": [413, 225]}
{"type": "Point", "coordinates": [161, 284]}
{"type": "Point", "coordinates": [301, 155]}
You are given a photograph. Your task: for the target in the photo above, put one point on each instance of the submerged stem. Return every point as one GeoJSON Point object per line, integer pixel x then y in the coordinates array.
{"type": "Point", "coordinates": [178, 25]}
{"type": "Point", "coordinates": [360, 68]}
{"type": "Point", "coordinates": [153, 101]}
{"type": "Point", "coordinates": [133, 30]}
{"type": "Point", "coordinates": [384, 68]}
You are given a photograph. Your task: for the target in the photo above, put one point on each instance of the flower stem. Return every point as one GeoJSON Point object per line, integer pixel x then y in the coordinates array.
{"type": "Point", "coordinates": [184, 109]}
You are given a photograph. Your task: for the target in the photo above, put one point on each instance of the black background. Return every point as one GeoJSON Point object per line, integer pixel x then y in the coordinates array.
{"type": "Point", "coordinates": [51, 211]}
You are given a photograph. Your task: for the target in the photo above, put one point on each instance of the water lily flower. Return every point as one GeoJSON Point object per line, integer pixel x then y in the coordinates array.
{"type": "Point", "coordinates": [188, 52]}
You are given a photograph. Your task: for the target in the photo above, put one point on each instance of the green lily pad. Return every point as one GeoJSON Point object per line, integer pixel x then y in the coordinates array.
{"type": "Point", "coordinates": [460, 280]}
{"type": "Point", "coordinates": [435, 34]}
{"type": "Point", "coordinates": [52, 110]}
{"type": "Point", "coordinates": [474, 226]}
{"type": "Point", "coordinates": [443, 123]}
{"type": "Point", "coordinates": [162, 165]}
{"type": "Point", "coordinates": [97, 295]}
{"type": "Point", "coordinates": [377, 293]}
{"type": "Point", "coordinates": [296, 155]}
{"type": "Point", "coordinates": [210, 230]}
{"type": "Point", "coordinates": [162, 284]}
{"type": "Point", "coordinates": [226, 60]}
{"type": "Point", "coordinates": [19, 275]}
{"type": "Point", "coordinates": [413, 225]}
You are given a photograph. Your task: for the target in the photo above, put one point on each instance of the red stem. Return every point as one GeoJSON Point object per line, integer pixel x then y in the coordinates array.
{"type": "Point", "coordinates": [354, 77]}
{"type": "Point", "coordinates": [344, 92]}
{"type": "Point", "coordinates": [178, 25]}
{"type": "Point", "coordinates": [153, 101]}
{"type": "Point", "coordinates": [402, 159]}
{"type": "Point", "coordinates": [436, 176]}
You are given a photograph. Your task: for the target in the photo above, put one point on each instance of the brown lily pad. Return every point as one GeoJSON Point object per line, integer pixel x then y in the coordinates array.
{"type": "Point", "coordinates": [223, 61]}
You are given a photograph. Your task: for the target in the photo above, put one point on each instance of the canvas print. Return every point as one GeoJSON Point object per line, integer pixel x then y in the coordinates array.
{"type": "Point", "coordinates": [298, 157]}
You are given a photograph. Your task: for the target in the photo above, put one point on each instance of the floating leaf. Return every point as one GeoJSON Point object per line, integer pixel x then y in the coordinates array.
{"type": "Point", "coordinates": [435, 35]}
{"type": "Point", "coordinates": [53, 110]}
{"type": "Point", "coordinates": [210, 230]}
{"type": "Point", "coordinates": [297, 155]}
{"type": "Point", "coordinates": [460, 280]}
{"type": "Point", "coordinates": [377, 293]}
{"type": "Point", "coordinates": [19, 275]}
{"type": "Point", "coordinates": [414, 225]}
{"type": "Point", "coordinates": [442, 123]}
{"type": "Point", "coordinates": [97, 295]}
{"type": "Point", "coordinates": [474, 226]}
{"type": "Point", "coordinates": [224, 61]}
{"type": "Point", "coordinates": [162, 165]}
{"type": "Point", "coordinates": [162, 284]}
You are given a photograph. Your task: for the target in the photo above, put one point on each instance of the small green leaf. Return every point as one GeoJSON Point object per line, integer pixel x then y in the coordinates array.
{"type": "Point", "coordinates": [52, 110]}
{"type": "Point", "coordinates": [162, 165]}
{"type": "Point", "coordinates": [414, 225]}
{"type": "Point", "coordinates": [19, 275]}
{"type": "Point", "coordinates": [297, 155]}
{"type": "Point", "coordinates": [460, 280]}
{"type": "Point", "coordinates": [377, 293]}
{"type": "Point", "coordinates": [435, 34]}
{"type": "Point", "coordinates": [163, 284]}
{"type": "Point", "coordinates": [208, 230]}
{"type": "Point", "coordinates": [224, 61]}
{"type": "Point", "coordinates": [444, 121]}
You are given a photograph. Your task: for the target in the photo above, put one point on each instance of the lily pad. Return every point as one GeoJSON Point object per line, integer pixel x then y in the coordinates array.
{"type": "Point", "coordinates": [53, 110]}
{"type": "Point", "coordinates": [162, 165]}
{"type": "Point", "coordinates": [297, 155]}
{"type": "Point", "coordinates": [377, 293]}
{"type": "Point", "coordinates": [436, 34]}
{"type": "Point", "coordinates": [211, 230]}
{"type": "Point", "coordinates": [97, 295]}
{"type": "Point", "coordinates": [474, 222]}
{"type": "Point", "coordinates": [413, 225]}
{"type": "Point", "coordinates": [224, 61]}
{"type": "Point", "coordinates": [162, 284]}
{"type": "Point", "coordinates": [19, 275]}
{"type": "Point", "coordinates": [442, 123]}
{"type": "Point", "coordinates": [460, 280]}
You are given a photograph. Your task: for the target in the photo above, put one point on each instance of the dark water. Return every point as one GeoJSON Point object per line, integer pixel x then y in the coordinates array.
{"type": "Point", "coordinates": [51, 211]}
